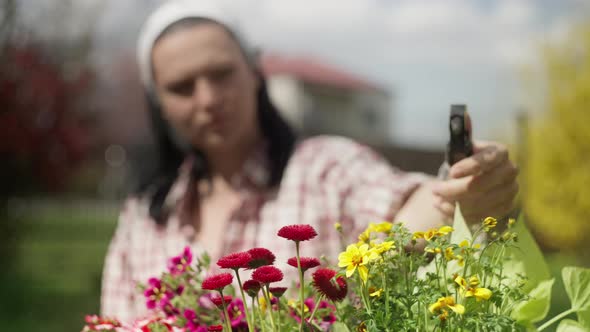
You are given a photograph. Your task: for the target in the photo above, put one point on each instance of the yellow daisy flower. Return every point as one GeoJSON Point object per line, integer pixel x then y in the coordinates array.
{"type": "Point", "coordinates": [470, 288]}
{"type": "Point", "coordinates": [357, 257]}
{"type": "Point", "coordinates": [382, 247]}
{"type": "Point", "coordinates": [446, 302]}
{"type": "Point", "coordinates": [489, 223]}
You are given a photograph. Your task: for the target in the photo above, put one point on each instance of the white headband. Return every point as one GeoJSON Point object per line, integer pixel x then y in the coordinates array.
{"type": "Point", "coordinates": [171, 12]}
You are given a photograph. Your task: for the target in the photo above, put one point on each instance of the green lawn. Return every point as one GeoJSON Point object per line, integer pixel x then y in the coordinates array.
{"type": "Point", "coordinates": [55, 279]}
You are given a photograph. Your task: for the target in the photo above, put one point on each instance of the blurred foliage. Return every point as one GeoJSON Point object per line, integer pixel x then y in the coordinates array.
{"type": "Point", "coordinates": [41, 134]}
{"type": "Point", "coordinates": [55, 279]}
{"type": "Point", "coordinates": [557, 170]}
{"type": "Point", "coordinates": [47, 81]}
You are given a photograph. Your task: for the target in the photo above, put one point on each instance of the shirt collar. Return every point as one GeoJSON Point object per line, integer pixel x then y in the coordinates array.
{"type": "Point", "coordinates": [254, 175]}
{"type": "Point", "coordinates": [255, 172]}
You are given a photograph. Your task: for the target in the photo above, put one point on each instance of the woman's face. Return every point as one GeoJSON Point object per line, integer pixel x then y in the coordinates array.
{"type": "Point", "coordinates": [205, 86]}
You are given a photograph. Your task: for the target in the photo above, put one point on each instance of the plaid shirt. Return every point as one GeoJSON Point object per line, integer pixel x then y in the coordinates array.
{"type": "Point", "coordinates": [328, 180]}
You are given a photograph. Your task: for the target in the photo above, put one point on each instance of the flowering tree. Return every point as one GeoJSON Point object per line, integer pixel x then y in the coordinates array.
{"type": "Point", "coordinates": [41, 136]}
{"type": "Point", "coordinates": [45, 80]}
{"type": "Point", "coordinates": [556, 173]}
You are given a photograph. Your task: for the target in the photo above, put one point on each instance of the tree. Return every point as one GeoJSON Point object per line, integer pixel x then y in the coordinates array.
{"type": "Point", "coordinates": [41, 137]}
{"type": "Point", "coordinates": [557, 170]}
{"type": "Point", "coordinates": [45, 81]}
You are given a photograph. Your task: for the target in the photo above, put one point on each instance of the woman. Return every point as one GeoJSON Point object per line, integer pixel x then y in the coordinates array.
{"type": "Point", "coordinates": [231, 172]}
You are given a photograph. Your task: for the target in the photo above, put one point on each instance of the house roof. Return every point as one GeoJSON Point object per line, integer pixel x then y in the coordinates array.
{"type": "Point", "coordinates": [314, 71]}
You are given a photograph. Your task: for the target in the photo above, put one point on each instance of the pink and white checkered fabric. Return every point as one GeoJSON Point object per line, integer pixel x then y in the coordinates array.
{"type": "Point", "coordinates": [327, 180]}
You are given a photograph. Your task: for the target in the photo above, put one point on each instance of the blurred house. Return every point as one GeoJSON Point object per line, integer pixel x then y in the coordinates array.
{"type": "Point", "coordinates": [318, 98]}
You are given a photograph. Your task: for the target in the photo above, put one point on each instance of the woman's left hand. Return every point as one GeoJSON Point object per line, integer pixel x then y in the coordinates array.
{"type": "Point", "coordinates": [484, 184]}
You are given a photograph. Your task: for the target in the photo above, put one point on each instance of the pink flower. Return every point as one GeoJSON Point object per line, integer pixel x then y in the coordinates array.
{"type": "Point", "coordinates": [328, 318]}
{"type": "Point", "coordinates": [324, 321]}
{"type": "Point", "coordinates": [235, 261]}
{"type": "Point", "coordinates": [205, 301]}
{"type": "Point", "coordinates": [260, 257]}
{"type": "Point", "coordinates": [179, 264]}
{"type": "Point", "coordinates": [97, 323]}
{"type": "Point", "coordinates": [146, 325]}
{"type": "Point", "coordinates": [297, 232]}
{"type": "Point", "coordinates": [156, 294]}
{"type": "Point", "coordinates": [333, 289]}
{"type": "Point", "coordinates": [306, 262]}
{"type": "Point", "coordinates": [267, 274]}
{"type": "Point", "coordinates": [192, 322]}
{"type": "Point", "coordinates": [237, 315]}
{"type": "Point", "coordinates": [217, 281]}
{"type": "Point", "coordinates": [168, 308]}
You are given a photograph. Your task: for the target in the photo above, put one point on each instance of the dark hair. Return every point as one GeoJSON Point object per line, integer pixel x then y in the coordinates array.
{"type": "Point", "coordinates": [167, 155]}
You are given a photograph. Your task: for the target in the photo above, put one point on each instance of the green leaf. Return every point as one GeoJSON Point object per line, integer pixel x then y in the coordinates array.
{"type": "Point", "coordinates": [460, 229]}
{"type": "Point", "coordinates": [568, 325]}
{"type": "Point", "coordinates": [529, 255]}
{"type": "Point", "coordinates": [577, 285]}
{"type": "Point", "coordinates": [339, 327]}
{"type": "Point", "coordinates": [584, 318]}
{"type": "Point", "coordinates": [536, 308]}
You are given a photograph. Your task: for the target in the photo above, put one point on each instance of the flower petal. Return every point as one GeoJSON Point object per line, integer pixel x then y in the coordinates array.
{"type": "Point", "coordinates": [364, 273]}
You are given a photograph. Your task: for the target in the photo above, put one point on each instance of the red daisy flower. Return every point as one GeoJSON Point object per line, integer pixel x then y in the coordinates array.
{"type": "Point", "coordinates": [251, 287]}
{"type": "Point", "coordinates": [306, 262]}
{"type": "Point", "coordinates": [277, 291]}
{"type": "Point", "coordinates": [235, 261]}
{"type": "Point", "coordinates": [260, 257]}
{"type": "Point", "coordinates": [213, 328]}
{"type": "Point", "coordinates": [217, 300]}
{"type": "Point", "coordinates": [217, 281]}
{"type": "Point", "coordinates": [333, 289]}
{"type": "Point", "coordinates": [297, 232]}
{"type": "Point", "coordinates": [267, 274]}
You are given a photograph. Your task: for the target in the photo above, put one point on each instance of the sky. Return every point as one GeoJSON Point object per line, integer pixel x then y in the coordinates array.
{"type": "Point", "coordinates": [427, 53]}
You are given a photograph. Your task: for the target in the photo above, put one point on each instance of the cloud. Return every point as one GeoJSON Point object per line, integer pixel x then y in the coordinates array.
{"type": "Point", "coordinates": [430, 53]}
{"type": "Point", "coordinates": [405, 31]}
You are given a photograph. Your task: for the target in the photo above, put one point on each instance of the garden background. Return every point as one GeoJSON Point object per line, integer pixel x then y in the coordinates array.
{"type": "Point", "coordinates": [72, 120]}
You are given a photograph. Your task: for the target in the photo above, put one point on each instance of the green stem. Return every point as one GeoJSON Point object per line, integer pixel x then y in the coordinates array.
{"type": "Point", "coordinates": [450, 324]}
{"type": "Point", "coordinates": [301, 285]}
{"type": "Point", "coordinates": [437, 271]}
{"type": "Point", "coordinates": [556, 318]}
{"type": "Point", "coordinates": [444, 268]}
{"type": "Point", "coordinates": [269, 305]}
{"type": "Point", "coordinates": [225, 314]}
{"type": "Point", "coordinates": [279, 312]}
{"type": "Point", "coordinates": [364, 294]}
{"type": "Point", "coordinates": [425, 311]}
{"type": "Point", "coordinates": [408, 258]}
{"type": "Point", "coordinates": [502, 251]}
{"type": "Point", "coordinates": [255, 316]}
{"type": "Point", "coordinates": [248, 318]}
{"type": "Point", "coordinates": [260, 313]}
{"type": "Point", "coordinates": [384, 288]}
{"type": "Point", "coordinates": [317, 304]}
{"type": "Point", "coordinates": [338, 312]}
